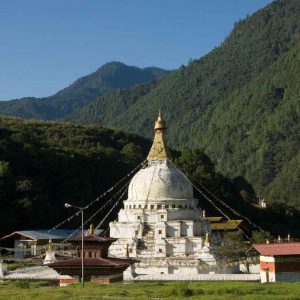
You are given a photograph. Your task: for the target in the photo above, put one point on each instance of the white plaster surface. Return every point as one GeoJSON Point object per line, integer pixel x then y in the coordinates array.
{"type": "Point", "coordinates": [267, 258]}
{"type": "Point", "coordinates": [198, 277]}
{"type": "Point", "coordinates": [251, 268]}
{"type": "Point", "coordinates": [3, 269]}
{"type": "Point", "coordinates": [160, 181]}
{"type": "Point", "coordinates": [34, 273]}
{"type": "Point", "coordinates": [160, 220]}
{"type": "Point", "coordinates": [50, 257]}
{"type": "Point", "coordinates": [267, 276]}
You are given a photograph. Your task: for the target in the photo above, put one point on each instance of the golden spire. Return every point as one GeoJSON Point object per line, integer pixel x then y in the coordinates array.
{"type": "Point", "coordinates": [50, 245]}
{"type": "Point", "coordinates": [159, 150]}
{"type": "Point", "coordinates": [206, 238]}
{"type": "Point", "coordinates": [91, 229]}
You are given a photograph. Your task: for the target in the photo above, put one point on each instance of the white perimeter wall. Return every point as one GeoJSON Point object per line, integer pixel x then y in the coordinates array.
{"type": "Point", "coordinates": [198, 277]}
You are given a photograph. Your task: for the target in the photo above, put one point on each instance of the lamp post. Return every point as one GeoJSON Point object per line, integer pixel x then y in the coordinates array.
{"type": "Point", "coordinates": [67, 205]}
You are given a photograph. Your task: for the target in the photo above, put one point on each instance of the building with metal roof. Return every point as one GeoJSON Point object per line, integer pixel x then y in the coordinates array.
{"type": "Point", "coordinates": [279, 261]}
{"type": "Point", "coordinates": [32, 243]}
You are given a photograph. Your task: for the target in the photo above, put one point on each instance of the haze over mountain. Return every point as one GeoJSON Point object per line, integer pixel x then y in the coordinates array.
{"type": "Point", "coordinates": [110, 76]}
{"type": "Point", "coordinates": [240, 103]}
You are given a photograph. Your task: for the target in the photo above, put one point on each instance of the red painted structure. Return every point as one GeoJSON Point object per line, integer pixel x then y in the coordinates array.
{"type": "Point", "coordinates": [98, 267]}
{"type": "Point", "coordinates": [279, 261]}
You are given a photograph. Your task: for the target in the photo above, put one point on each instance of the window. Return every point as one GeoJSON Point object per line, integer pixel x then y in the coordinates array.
{"type": "Point", "coordinates": [162, 216]}
{"type": "Point", "coordinates": [160, 250]}
{"type": "Point", "coordinates": [179, 206]}
{"type": "Point", "coordinates": [140, 206]}
{"type": "Point", "coordinates": [167, 206]}
{"type": "Point", "coordinates": [173, 206]}
{"type": "Point", "coordinates": [152, 206]}
{"type": "Point", "coordinates": [133, 206]}
{"type": "Point", "coordinates": [159, 231]}
{"type": "Point", "coordinates": [138, 217]}
{"type": "Point", "coordinates": [158, 206]}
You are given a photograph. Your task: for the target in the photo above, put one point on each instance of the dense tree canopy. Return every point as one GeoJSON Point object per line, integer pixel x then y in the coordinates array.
{"type": "Point", "coordinates": [45, 164]}
{"type": "Point", "coordinates": [240, 103]}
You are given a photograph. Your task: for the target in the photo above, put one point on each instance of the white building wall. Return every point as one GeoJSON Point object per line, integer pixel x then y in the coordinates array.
{"type": "Point", "coordinates": [189, 276]}
{"type": "Point", "coordinates": [124, 230]}
{"type": "Point", "coordinates": [266, 276]}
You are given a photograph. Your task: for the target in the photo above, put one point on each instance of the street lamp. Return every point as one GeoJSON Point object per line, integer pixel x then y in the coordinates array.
{"type": "Point", "coordinates": [67, 205]}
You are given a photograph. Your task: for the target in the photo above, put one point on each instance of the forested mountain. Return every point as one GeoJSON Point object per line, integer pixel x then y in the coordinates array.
{"type": "Point", "coordinates": [45, 164]}
{"type": "Point", "coordinates": [240, 103]}
{"type": "Point", "coordinates": [108, 77]}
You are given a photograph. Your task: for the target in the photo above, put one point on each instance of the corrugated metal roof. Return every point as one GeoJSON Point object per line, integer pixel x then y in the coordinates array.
{"type": "Point", "coordinates": [44, 234]}
{"type": "Point", "coordinates": [276, 249]}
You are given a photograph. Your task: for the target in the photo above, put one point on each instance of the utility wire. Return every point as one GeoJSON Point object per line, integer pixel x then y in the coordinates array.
{"type": "Point", "coordinates": [110, 211]}
{"type": "Point", "coordinates": [99, 210]}
{"type": "Point", "coordinates": [142, 164]}
{"type": "Point", "coordinates": [210, 201]}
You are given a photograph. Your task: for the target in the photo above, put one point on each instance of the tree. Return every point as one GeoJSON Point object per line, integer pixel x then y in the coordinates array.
{"type": "Point", "coordinates": [233, 246]}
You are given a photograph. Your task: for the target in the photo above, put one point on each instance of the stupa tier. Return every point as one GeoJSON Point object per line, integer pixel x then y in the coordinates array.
{"type": "Point", "coordinates": [161, 224]}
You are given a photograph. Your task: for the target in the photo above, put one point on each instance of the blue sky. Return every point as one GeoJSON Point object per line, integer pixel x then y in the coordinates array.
{"type": "Point", "coordinates": [47, 44]}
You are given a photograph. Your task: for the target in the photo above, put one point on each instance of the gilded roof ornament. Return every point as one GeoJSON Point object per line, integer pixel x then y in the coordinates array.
{"type": "Point", "coordinates": [159, 149]}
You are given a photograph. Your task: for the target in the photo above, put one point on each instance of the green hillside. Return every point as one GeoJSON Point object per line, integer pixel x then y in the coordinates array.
{"type": "Point", "coordinates": [45, 164]}
{"type": "Point", "coordinates": [240, 103]}
{"type": "Point", "coordinates": [108, 77]}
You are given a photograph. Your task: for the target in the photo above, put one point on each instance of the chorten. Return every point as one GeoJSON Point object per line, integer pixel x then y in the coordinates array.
{"type": "Point", "coordinates": [161, 224]}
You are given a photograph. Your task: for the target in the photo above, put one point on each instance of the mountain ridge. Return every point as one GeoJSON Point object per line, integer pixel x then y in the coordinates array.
{"type": "Point", "coordinates": [109, 76]}
{"type": "Point", "coordinates": [200, 102]}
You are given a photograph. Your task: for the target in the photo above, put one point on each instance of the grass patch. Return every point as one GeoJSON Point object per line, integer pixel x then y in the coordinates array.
{"type": "Point", "coordinates": [25, 290]}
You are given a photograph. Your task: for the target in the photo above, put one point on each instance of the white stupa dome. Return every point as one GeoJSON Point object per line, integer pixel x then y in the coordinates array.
{"type": "Point", "coordinates": [159, 181]}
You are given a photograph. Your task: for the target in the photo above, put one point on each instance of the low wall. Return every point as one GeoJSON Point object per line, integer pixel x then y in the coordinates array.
{"type": "Point", "coordinates": [33, 273]}
{"type": "Point", "coordinates": [198, 277]}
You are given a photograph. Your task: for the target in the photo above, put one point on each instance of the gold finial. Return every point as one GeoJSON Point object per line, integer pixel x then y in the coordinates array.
{"type": "Point", "coordinates": [91, 229]}
{"type": "Point", "coordinates": [159, 124]}
{"type": "Point", "coordinates": [288, 237]}
{"type": "Point", "coordinates": [50, 245]}
{"type": "Point", "coordinates": [206, 238]}
{"type": "Point", "coordinates": [159, 150]}
{"type": "Point", "coordinates": [203, 214]}
{"type": "Point", "coordinates": [279, 239]}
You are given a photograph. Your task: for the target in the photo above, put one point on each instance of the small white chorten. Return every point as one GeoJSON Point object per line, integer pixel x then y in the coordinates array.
{"type": "Point", "coordinates": [50, 254]}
